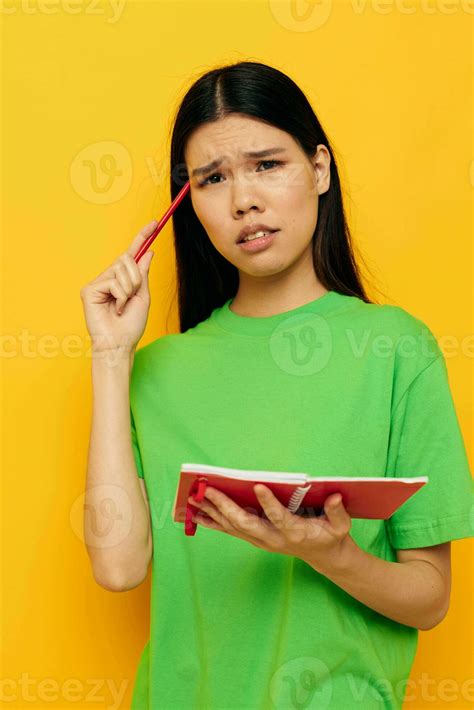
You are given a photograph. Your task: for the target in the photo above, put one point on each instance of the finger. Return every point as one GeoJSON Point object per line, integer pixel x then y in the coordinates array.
{"type": "Point", "coordinates": [239, 518]}
{"type": "Point", "coordinates": [225, 527]}
{"type": "Point", "coordinates": [141, 270]}
{"type": "Point", "coordinates": [207, 507]}
{"type": "Point", "coordinates": [207, 522]}
{"type": "Point", "coordinates": [110, 287]}
{"type": "Point", "coordinates": [143, 234]}
{"type": "Point", "coordinates": [138, 240]}
{"type": "Point", "coordinates": [120, 295]}
{"type": "Point", "coordinates": [291, 527]}
{"type": "Point", "coordinates": [274, 510]}
{"type": "Point", "coordinates": [336, 514]}
{"type": "Point", "coordinates": [133, 270]}
{"type": "Point", "coordinates": [123, 277]}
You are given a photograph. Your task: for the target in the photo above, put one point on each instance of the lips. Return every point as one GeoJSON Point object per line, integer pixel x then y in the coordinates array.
{"type": "Point", "coordinates": [253, 246]}
{"type": "Point", "coordinates": [252, 228]}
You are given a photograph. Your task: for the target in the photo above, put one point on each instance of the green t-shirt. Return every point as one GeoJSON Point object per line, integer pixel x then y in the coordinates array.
{"type": "Point", "coordinates": [335, 387]}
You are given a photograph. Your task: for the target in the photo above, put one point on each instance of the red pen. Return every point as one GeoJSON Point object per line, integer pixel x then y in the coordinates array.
{"type": "Point", "coordinates": [162, 222]}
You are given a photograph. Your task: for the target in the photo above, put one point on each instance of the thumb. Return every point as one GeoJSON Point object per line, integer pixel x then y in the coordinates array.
{"type": "Point", "coordinates": [335, 511]}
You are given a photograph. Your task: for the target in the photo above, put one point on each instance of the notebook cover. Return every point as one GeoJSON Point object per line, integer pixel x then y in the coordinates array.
{"type": "Point", "coordinates": [375, 498]}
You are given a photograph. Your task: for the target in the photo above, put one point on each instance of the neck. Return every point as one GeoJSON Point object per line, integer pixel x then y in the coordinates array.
{"type": "Point", "coordinates": [263, 296]}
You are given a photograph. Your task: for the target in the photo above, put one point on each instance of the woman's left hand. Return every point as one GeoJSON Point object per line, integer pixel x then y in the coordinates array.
{"type": "Point", "coordinates": [310, 539]}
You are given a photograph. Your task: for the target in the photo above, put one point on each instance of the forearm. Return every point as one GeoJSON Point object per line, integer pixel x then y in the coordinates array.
{"type": "Point", "coordinates": [116, 520]}
{"type": "Point", "coordinates": [410, 593]}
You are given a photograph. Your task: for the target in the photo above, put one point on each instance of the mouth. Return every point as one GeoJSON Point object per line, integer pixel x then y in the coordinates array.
{"type": "Point", "coordinates": [258, 243]}
{"type": "Point", "coordinates": [261, 234]}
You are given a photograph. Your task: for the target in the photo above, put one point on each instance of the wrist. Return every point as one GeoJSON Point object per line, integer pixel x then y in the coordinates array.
{"type": "Point", "coordinates": [340, 561]}
{"type": "Point", "coordinates": [108, 358]}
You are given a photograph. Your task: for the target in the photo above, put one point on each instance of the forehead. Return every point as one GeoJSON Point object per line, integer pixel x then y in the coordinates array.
{"type": "Point", "coordinates": [230, 137]}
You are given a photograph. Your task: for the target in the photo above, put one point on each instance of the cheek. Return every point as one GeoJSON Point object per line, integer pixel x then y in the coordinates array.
{"type": "Point", "coordinates": [207, 212]}
{"type": "Point", "coordinates": [295, 193]}
{"type": "Point", "coordinates": [300, 213]}
{"type": "Point", "coordinates": [212, 220]}
{"type": "Point", "coordinates": [298, 208]}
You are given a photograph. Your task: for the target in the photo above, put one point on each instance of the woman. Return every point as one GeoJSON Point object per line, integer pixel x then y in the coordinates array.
{"type": "Point", "coordinates": [282, 363]}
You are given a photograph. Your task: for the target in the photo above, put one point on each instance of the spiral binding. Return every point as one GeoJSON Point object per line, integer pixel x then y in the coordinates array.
{"type": "Point", "coordinates": [296, 498]}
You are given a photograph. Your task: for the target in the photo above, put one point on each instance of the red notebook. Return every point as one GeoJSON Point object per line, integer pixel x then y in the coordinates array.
{"type": "Point", "coordinates": [363, 497]}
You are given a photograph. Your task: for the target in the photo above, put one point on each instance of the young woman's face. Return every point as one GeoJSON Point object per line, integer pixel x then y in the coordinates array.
{"type": "Point", "coordinates": [279, 189]}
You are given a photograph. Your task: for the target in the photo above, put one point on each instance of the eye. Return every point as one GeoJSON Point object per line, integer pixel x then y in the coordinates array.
{"type": "Point", "coordinates": [262, 162]}
{"type": "Point", "coordinates": [274, 162]}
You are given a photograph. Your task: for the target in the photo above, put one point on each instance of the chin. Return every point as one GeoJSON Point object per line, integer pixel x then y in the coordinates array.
{"type": "Point", "coordinates": [269, 268]}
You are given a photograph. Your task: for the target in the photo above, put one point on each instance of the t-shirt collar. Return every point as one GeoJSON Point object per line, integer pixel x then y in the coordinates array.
{"type": "Point", "coordinates": [226, 319]}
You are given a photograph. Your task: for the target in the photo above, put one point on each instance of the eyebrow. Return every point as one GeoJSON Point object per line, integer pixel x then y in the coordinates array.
{"type": "Point", "coordinates": [251, 154]}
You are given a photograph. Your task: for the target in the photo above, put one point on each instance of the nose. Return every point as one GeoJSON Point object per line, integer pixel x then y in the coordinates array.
{"type": "Point", "coordinates": [239, 212]}
{"type": "Point", "coordinates": [245, 197]}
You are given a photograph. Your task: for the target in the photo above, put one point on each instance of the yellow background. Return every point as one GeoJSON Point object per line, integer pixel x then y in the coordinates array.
{"type": "Point", "coordinates": [88, 96]}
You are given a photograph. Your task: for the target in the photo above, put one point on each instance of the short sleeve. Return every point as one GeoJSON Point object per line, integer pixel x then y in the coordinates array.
{"type": "Point", "coordinates": [135, 448]}
{"type": "Point", "coordinates": [426, 440]}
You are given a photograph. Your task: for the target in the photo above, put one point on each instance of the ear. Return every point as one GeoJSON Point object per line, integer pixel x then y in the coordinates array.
{"type": "Point", "coordinates": [321, 161]}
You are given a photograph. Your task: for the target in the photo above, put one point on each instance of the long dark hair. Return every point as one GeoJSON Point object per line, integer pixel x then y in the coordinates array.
{"type": "Point", "coordinates": [205, 279]}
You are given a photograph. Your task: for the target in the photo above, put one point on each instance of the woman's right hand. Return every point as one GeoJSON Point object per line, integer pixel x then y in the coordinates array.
{"type": "Point", "coordinates": [116, 303]}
